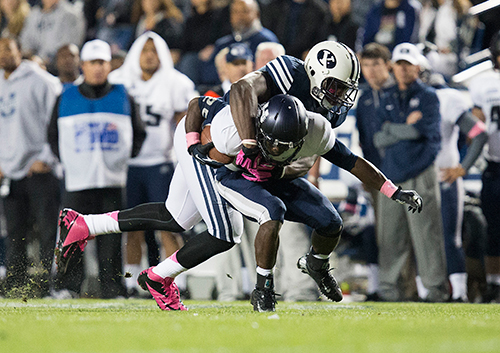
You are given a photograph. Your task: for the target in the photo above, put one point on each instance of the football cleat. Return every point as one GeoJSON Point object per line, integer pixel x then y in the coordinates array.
{"type": "Point", "coordinates": [73, 238]}
{"type": "Point", "coordinates": [324, 279]}
{"type": "Point", "coordinates": [163, 290]}
{"type": "Point", "coordinates": [263, 300]}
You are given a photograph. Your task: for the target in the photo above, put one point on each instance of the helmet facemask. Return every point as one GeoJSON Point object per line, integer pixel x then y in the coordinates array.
{"type": "Point", "coordinates": [335, 96]}
{"type": "Point", "coordinates": [276, 150]}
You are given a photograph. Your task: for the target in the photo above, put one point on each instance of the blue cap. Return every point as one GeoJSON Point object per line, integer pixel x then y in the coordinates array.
{"type": "Point", "coordinates": [239, 51]}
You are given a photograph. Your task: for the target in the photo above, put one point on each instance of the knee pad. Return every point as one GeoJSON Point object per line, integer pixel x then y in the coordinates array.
{"type": "Point", "coordinates": [331, 231]}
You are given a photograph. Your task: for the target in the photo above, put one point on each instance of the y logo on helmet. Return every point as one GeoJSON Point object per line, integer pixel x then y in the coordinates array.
{"type": "Point", "coordinates": [327, 59]}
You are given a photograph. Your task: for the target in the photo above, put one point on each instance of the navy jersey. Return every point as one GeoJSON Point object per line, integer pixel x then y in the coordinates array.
{"type": "Point", "coordinates": [289, 77]}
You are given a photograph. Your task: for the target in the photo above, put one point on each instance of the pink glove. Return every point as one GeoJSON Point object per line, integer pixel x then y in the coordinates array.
{"type": "Point", "coordinates": [258, 170]}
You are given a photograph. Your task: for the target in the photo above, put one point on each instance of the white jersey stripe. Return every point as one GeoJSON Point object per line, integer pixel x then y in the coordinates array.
{"type": "Point", "coordinates": [282, 63]}
{"type": "Point", "coordinates": [247, 207]}
{"type": "Point", "coordinates": [223, 232]}
{"type": "Point", "coordinates": [277, 79]}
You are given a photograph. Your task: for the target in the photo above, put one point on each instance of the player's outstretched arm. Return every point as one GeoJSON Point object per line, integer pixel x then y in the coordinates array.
{"type": "Point", "coordinates": [342, 157]}
{"type": "Point", "coordinates": [371, 176]}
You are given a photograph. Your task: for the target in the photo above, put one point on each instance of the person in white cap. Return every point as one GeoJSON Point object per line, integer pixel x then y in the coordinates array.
{"type": "Point", "coordinates": [409, 142]}
{"type": "Point", "coordinates": [94, 130]}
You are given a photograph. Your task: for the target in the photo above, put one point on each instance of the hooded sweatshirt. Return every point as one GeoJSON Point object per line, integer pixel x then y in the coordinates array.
{"type": "Point", "coordinates": [166, 93]}
{"type": "Point", "coordinates": [26, 101]}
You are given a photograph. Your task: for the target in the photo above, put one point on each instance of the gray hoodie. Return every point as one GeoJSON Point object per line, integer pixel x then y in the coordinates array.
{"type": "Point", "coordinates": [45, 32]}
{"type": "Point", "coordinates": [26, 101]}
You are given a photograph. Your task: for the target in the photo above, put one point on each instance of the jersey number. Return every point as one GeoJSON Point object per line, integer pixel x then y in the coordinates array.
{"type": "Point", "coordinates": [154, 119]}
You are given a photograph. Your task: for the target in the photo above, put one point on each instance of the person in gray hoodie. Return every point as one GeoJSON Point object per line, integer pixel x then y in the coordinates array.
{"type": "Point", "coordinates": [51, 25]}
{"type": "Point", "coordinates": [27, 165]}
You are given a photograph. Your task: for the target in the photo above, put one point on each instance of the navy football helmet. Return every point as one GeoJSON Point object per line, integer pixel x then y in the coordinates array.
{"type": "Point", "coordinates": [333, 70]}
{"type": "Point", "coordinates": [281, 128]}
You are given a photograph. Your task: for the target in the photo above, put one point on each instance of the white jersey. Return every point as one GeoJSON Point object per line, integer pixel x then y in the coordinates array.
{"type": "Point", "coordinates": [451, 106]}
{"type": "Point", "coordinates": [26, 101]}
{"type": "Point", "coordinates": [485, 94]}
{"type": "Point", "coordinates": [320, 136]}
{"type": "Point", "coordinates": [166, 93]}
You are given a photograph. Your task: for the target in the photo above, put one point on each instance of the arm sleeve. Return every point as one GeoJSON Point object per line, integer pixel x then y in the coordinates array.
{"type": "Point", "coordinates": [341, 156]}
{"type": "Point", "coordinates": [52, 130]}
{"type": "Point", "coordinates": [475, 129]}
{"type": "Point", "coordinates": [403, 131]}
{"type": "Point", "coordinates": [139, 130]}
{"type": "Point", "coordinates": [383, 139]}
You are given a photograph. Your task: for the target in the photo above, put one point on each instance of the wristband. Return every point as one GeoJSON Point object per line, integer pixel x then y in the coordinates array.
{"type": "Point", "coordinates": [250, 142]}
{"type": "Point", "coordinates": [192, 138]}
{"type": "Point", "coordinates": [388, 189]}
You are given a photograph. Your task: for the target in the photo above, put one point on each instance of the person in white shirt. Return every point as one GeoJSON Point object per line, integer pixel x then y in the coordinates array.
{"type": "Point", "coordinates": [163, 94]}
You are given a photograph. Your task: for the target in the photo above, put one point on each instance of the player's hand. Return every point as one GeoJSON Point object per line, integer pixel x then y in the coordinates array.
{"type": "Point", "coordinates": [410, 198]}
{"type": "Point", "coordinates": [247, 156]}
{"type": "Point", "coordinates": [262, 170]}
{"type": "Point", "coordinates": [200, 153]}
{"type": "Point", "coordinates": [449, 175]}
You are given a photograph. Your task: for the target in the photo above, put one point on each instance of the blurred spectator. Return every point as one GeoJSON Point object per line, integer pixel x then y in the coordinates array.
{"type": "Point", "coordinates": [359, 10]}
{"type": "Point", "coordinates": [453, 32]}
{"type": "Point", "coordinates": [391, 22]}
{"type": "Point", "coordinates": [246, 27]}
{"type": "Point", "coordinates": [163, 94]}
{"type": "Point", "coordinates": [49, 27]}
{"type": "Point", "coordinates": [375, 61]}
{"type": "Point", "coordinates": [13, 13]}
{"type": "Point", "coordinates": [455, 117]}
{"type": "Point", "coordinates": [111, 21]}
{"type": "Point", "coordinates": [409, 143]}
{"type": "Point", "coordinates": [298, 24]}
{"type": "Point", "coordinates": [30, 188]}
{"type": "Point", "coordinates": [203, 27]}
{"type": "Point", "coordinates": [485, 94]}
{"type": "Point", "coordinates": [220, 89]}
{"type": "Point", "coordinates": [164, 18]}
{"type": "Point", "coordinates": [267, 51]}
{"type": "Point", "coordinates": [117, 59]}
{"type": "Point", "coordinates": [342, 27]}
{"type": "Point", "coordinates": [68, 64]}
{"type": "Point", "coordinates": [96, 168]}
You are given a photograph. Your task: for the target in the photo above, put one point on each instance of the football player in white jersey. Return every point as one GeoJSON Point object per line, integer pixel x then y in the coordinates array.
{"type": "Point", "coordinates": [456, 117]}
{"type": "Point", "coordinates": [163, 94]}
{"type": "Point", "coordinates": [485, 94]}
{"type": "Point", "coordinates": [193, 195]}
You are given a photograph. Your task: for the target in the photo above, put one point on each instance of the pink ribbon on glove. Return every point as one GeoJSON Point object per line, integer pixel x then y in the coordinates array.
{"type": "Point", "coordinates": [258, 170]}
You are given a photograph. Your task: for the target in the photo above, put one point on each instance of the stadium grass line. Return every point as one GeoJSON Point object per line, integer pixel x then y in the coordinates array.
{"type": "Point", "coordinates": [87, 325]}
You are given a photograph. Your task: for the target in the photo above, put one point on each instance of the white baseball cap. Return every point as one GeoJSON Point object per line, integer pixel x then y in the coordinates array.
{"type": "Point", "coordinates": [407, 52]}
{"type": "Point", "coordinates": [95, 50]}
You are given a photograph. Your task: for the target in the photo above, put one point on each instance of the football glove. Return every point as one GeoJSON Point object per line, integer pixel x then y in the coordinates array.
{"type": "Point", "coordinates": [410, 198]}
{"type": "Point", "coordinates": [200, 153]}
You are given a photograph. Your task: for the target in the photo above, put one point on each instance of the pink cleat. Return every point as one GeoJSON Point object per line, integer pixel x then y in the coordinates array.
{"type": "Point", "coordinates": [164, 290]}
{"type": "Point", "coordinates": [74, 235]}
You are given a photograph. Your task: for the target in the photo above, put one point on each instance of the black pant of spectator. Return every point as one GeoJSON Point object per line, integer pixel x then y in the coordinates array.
{"type": "Point", "coordinates": [109, 247]}
{"type": "Point", "coordinates": [35, 201]}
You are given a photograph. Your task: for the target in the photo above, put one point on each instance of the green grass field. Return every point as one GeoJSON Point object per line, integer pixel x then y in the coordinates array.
{"type": "Point", "coordinates": [139, 326]}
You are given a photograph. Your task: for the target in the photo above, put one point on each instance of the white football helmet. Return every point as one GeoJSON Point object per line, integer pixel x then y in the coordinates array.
{"type": "Point", "coordinates": [333, 70]}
